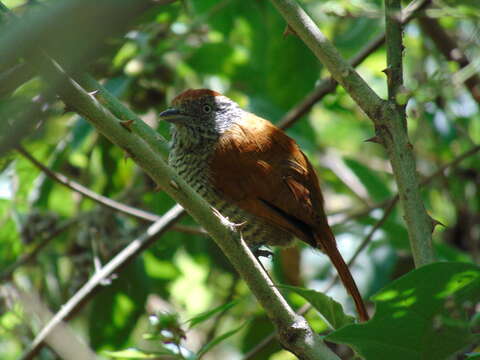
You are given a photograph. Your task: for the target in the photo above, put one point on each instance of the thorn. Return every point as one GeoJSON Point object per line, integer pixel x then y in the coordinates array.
{"type": "Point", "coordinates": [374, 139]}
{"type": "Point", "coordinates": [93, 93]}
{"type": "Point", "coordinates": [174, 185]}
{"type": "Point", "coordinates": [127, 124]}
{"type": "Point", "coordinates": [157, 188]}
{"type": "Point", "coordinates": [289, 31]}
{"type": "Point", "coordinates": [387, 71]}
{"type": "Point", "coordinates": [435, 223]}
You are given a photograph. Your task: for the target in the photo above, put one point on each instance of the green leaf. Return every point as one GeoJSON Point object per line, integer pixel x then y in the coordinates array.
{"type": "Point", "coordinates": [207, 347]}
{"type": "Point", "coordinates": [331, 310]}
{"type": "Point", "coordinates": [133, 353]}
{"type": "Point", "coordinates": [422, 315]}
{"type": "Point", "coordinates": [208, 314]}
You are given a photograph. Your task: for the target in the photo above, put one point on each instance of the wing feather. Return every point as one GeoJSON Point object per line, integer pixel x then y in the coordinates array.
{"type": "Point", "coordinates": [262, 169]}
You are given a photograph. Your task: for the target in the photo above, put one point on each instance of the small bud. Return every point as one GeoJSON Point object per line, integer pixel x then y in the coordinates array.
{"type": "Point", "coordinates": [93, 93]}
{"type": "Point", "coordinates": [387, 71]}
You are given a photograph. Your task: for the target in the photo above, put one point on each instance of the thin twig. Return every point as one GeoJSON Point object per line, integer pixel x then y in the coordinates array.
{"type": "Point", "coordinates": [84, 191]}
{"type": "Point", "coordinates": [447, 45]}
{"type": "Point", "coordinates": [366, 240]}
{"type": "Point", "coordinates": [114, 265]}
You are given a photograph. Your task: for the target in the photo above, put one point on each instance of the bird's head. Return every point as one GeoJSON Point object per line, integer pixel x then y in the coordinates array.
{"type": "Point", "coordinates": [200, 116]}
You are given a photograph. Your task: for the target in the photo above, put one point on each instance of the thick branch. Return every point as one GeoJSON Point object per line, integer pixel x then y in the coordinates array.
{"type": "Point", "coordinates": [389, 126]}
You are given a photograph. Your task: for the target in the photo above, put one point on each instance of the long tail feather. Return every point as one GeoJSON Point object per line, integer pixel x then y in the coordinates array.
{"type": "Point", "coordinates": [329, 246]}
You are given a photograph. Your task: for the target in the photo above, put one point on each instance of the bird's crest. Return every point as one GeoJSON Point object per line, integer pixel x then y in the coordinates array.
{"type": "Point", "coordinates": [192, 94]}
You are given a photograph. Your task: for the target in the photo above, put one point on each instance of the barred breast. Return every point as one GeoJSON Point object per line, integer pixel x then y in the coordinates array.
{"type": "Point", "coordinates": [193, 167]}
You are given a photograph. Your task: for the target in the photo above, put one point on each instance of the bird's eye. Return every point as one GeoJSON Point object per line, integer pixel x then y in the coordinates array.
{"type": "Point", "coordinates": [207, 108]}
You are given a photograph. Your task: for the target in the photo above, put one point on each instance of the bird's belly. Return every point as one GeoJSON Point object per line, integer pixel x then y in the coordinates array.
{"type": "Point", "coordinates": [255, 230]}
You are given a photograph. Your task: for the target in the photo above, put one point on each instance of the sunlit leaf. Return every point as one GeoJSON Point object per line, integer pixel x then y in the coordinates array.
{"type": "Point", "coordinates": [424, 314]}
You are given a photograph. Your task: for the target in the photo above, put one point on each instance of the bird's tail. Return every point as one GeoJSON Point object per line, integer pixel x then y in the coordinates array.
{"type": "Point", "coordinates": [326, 241]}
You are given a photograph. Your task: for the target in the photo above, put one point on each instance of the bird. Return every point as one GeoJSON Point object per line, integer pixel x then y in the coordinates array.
{"type": "Point", "coordinates": [253, 174]}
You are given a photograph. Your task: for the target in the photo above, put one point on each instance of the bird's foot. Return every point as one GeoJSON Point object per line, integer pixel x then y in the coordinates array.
{"type": "Point", "coordinates": [226, 221]}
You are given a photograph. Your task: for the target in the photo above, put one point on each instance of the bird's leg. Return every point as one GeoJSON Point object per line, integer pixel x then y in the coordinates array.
{"type": "Point", "coordinates": [261, 252]}
{"type": "Point", "coordinates": [257, 252]}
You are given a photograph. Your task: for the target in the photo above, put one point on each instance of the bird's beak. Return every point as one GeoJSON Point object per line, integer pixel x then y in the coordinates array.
{"type": "Point", "coordinates": [174, 116]}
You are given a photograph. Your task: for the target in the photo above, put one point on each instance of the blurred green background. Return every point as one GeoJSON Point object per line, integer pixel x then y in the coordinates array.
{"type": "Point", "coordinates": [237, 48]}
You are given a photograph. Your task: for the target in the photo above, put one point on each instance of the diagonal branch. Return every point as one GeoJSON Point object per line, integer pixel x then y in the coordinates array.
{"type": "Point", "coordinates": [114, 265]}
{"type": "Point", "coordinates": [450, 49]}
{"type": "Point", "coordinates": [73, 185]}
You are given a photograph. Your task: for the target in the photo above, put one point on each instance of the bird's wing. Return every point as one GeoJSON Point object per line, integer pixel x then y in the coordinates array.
{"type": "Point", "coordinates": [260, 168]}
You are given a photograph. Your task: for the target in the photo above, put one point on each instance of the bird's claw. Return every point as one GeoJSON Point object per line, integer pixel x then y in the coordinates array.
{"type": "Point", "coordinates": [226, 222]}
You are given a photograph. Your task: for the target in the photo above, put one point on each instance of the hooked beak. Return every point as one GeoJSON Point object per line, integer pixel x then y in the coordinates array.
{"type": "Point", "coordinates": [174, 116]}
